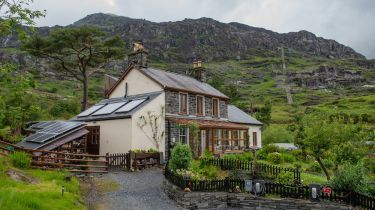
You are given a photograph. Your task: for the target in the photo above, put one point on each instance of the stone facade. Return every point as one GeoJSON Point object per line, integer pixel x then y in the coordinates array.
{"type": "Point", "coordinates": [171, 132]}
{"type": "Point", "coordinates": [172, 104]}
{"type": "Point", "coordinates": [214, 200]}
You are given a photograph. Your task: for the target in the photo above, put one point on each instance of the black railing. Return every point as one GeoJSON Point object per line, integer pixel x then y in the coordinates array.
{"type": "Point", "coordinates": [263, 169]}
{"type": "Point", "coordinates": [300, 192]}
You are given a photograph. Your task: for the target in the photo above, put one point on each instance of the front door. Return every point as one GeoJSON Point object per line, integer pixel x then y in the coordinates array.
{"type": "Point", "coordinates": [93, 140]}
{"type": "Point", "coordinates": [203, 141]}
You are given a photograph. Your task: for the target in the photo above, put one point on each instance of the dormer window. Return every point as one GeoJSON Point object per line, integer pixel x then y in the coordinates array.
{"type": "Point", "coordinates": [200, 105]}
{"type": "Point", "coordinates": [215, 107]}
{"type": "Point", "coordinates": [183, 103]}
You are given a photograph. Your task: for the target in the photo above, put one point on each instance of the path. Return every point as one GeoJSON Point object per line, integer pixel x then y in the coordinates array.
{"type": "Point", "coordinates": [137, 190]}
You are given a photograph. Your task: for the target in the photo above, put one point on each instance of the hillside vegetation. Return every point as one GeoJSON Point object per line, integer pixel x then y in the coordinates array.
{"type": "Point", "coordinates": [44, 191]}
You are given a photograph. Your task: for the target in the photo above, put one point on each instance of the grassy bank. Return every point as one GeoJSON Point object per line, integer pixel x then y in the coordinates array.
{"type": "Point", "coordinates": [45, 193]}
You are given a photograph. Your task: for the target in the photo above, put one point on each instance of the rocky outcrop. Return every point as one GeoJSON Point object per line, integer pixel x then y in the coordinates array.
{"type": "Point", "coordinates": [207, 38]}
{"type": "Point", "coordinates": [326, 77]}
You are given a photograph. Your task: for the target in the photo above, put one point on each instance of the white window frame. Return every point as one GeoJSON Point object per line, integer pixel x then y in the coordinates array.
{"type": "Point", "coordinates": [186, 135]}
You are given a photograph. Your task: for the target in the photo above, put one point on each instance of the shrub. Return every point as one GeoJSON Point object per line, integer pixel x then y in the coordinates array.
{"type": "Point", "coordinates": [271, 148]}
{"type": "Point", "coordinates": [297, 165]}
{"type": "Point", "coordinates": [208, 154]}
{"type": "Point", "coordinates": [262, 154]}
{"type": "Point", "coordinates": [152, 150]}
{"type": "Point", "coordinates": [288, 158]}
{"type": "Point", "coordinates": [298, 154]}
{"type": "Point", "coordinates": [181, 157]}
{"type": "Point", "coordinates": [20, 159]}
{"type": "Point", "coordinates": [369, 163]}
{"type": "Point", "coordinates": [247, 156]}
{"type": "Point", "coordinates": [328, 163]}
{"type": "Point", "coordinates": [274, 158]}
{"type": "Point", "coordinates": [286, 178]}
{"type": "Point", "coordinates": [315, 167]}
{"type": "Point", "coordinates": [349, 177]}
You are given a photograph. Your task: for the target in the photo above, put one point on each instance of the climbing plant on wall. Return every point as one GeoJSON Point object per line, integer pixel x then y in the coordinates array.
{"type": "Point", "coordinates": [152, 125]}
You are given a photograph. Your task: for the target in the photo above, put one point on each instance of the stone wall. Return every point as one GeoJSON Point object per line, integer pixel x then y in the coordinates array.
{"type": "Point", "coordinates": [172, 104]}
{"type": "Point", "coordinates": [214, 200]}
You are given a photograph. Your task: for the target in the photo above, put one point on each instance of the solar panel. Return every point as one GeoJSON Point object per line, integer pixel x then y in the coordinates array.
{"type": "Point", "coordinates": [51, 131]}
{"type": "Point", "coordinates": [91, 110]}
{"type": "Point", "coordinates": [109, 108]}
{"type": "Point", "coordinates": [131, 105]}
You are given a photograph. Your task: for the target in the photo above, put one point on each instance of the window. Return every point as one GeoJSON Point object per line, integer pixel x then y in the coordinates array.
{"type": "Point", "coordinates": [200, 105]}
{"type": "Point", "coordinates": [255, 139]}
{"type": "Point", "coordinates": [183, 136]}
{"type": "Point", "coordinates": [183, 103]}
{"type": "Point", "coordinates": [215, 107]}
{"type": "Point", "coordinates": [95, 136]}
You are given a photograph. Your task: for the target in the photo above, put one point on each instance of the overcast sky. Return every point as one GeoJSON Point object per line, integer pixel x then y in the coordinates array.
{"type": "Point", "coordinates": [350, 22]}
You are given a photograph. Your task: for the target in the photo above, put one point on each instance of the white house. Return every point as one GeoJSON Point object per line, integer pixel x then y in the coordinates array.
{"type": "Point", "coordinates": [150, 108]}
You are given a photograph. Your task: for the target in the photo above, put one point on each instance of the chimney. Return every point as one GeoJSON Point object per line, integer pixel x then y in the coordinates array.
{"type": "Point", "coordinates": [138, 57]}
{"type": "Point", "coordinates": [197, 71]}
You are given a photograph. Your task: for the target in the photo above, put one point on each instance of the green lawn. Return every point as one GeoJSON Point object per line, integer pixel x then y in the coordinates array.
{"type": "Point", "coordinates": [45, 194]}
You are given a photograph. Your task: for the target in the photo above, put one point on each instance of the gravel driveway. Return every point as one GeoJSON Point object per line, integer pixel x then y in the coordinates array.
{"type": "Point", "coordinates": [138, 190]}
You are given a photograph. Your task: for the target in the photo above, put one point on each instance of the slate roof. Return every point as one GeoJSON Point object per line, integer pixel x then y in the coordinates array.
{"type": "Point", "coordinates": [113, 115]}
{"type": "Point", "coordinates": [181, 82]}
{"type": "Point", "coordinates": [238, 116]}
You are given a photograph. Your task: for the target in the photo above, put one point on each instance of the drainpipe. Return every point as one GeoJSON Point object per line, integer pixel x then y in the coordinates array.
{"type": "Point", "coordinates": [169, 139]}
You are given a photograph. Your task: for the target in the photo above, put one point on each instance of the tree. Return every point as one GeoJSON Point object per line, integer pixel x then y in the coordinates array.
{"type": "Point", "coordinates": [264, 114]}
{"type": "Point", "coordinates": [77, 52]}
{"type": "Point", "coordinates": [15, 14]}
{"type": "Point", "coordinates": [17, 103]}
{"type": "Point", "coordinates": [319, 136]}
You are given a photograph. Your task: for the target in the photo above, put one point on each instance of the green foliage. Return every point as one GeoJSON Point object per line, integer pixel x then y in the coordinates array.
{"type": "Point", "coordinates": [349, 177]}
{"type": "Point", "coordinates": [15, 15]}
{"type": "Point", "coordinates": [286, 178]}
{"type": "Point", "coordinates": [264, 114]}
{"type": "Point", "coordinates": [208, 154]}
{"type": "Point", "coordinates": [152, 150]}
{"type": "Point", "coordinates": [328, 163]}
{"type": "Point", "coordinates": [65, 109]}
{"type": "Point", "coordinates": [76, 51]}
{"type": "Point", "coordinates": [274, 158]}
{"type": "Point", "coordinates": [288, 158]}
{"type": "Point", "coordinates": [315, 167]}
{"type": "Point", "coordinates": [20, 160]}
{"type": "Point", "coordinates": [246, 156]}
{"type": "Point", "coordinates": [347, 152]}
{"type": "Point", "coordinates": [276, 134]}
{"type": "Point", "coordinates": [181, 157]}
{"type": "Point", "coordinates": [369, 163]}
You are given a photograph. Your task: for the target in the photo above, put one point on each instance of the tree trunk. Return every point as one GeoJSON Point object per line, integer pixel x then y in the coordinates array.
{"type": "Point", "coordinates": [85, 92]}
{"type": "Point", "coordinates": [323, 167]}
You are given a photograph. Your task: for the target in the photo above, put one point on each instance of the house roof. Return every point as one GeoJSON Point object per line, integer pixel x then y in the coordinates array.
{"type": "Point", "coordinates": [209, 123]}
{"type": "Point", "coordinates": [109, 109]}
{"type": "Point", "coordinates": [238, 116]}
{"type": "Point", "coordinates": [175, 81]}
{"type": "Point", "coordinates": [51, 132]}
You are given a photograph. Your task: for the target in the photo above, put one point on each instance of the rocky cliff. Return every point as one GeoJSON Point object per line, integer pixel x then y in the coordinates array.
{"type": "Point", "coordinates": [208, 39]}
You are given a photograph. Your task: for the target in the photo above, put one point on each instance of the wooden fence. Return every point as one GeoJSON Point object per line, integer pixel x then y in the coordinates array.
{"type": "Point", "coordinates": [133, 160]}
{"type": "Point", "coordinates": [300, 192]}
{"type": "Point", "coordinates": [261, 168]}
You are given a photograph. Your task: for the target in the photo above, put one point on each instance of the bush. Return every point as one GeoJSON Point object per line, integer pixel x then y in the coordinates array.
{"type": "Point", "coordinates": [298, 154]}
{"type": "Point", "coordinates": [349, 177]}
{"type": "Point", "coordinates": [369, 163]}
{"type": "Point", "coordinates": [181, 157]}
{"type": "Point", "coordinates": [297, 165]}
{"type": "Point", "coordinates": [153, 150]}
{"type": "Point", "coordinates": [288, 158]}
{"type": "Point", "coordinates": [328, 163]}
{"type": "Point", "coordinates": [20, 159]}
{"type": "Point", "coordinates": [208, 154]}
{"type": "Point", "coordinates": [286, 178]}
{"type": "Point", "coordinates": [274, 158]}
{"type": "Point", "coordinates": [315, 167]}
{"type": "Point", "coordinates": [271, 148]}
{"type": "Point", "coordinates": [262, 154]}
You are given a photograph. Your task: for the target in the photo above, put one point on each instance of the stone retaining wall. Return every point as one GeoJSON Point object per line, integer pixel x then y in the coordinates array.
{"type": "Point", "coordinates": [213, 200]}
